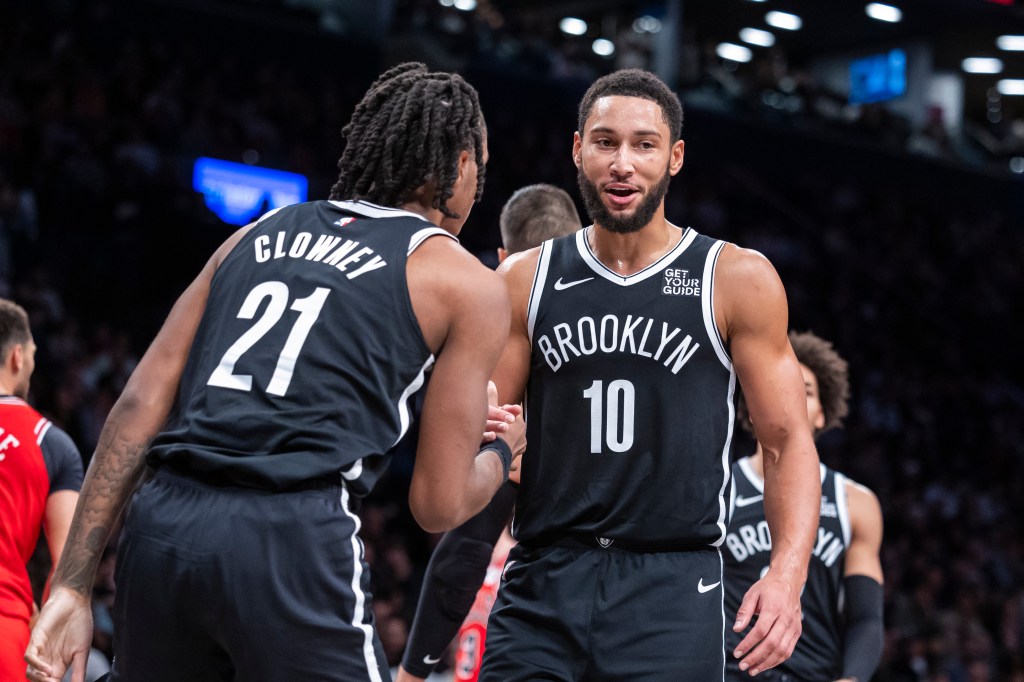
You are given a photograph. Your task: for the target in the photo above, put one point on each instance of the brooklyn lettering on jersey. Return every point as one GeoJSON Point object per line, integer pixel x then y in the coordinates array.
{"type": "Point", "coordinates": [336, 252]}
{"type": "Point", "coordinates": [612, 335]}
{"type": "Point", "coordinates": [749, 539]}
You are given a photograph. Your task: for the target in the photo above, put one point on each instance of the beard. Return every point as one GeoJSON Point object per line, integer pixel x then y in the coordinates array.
{"type": "Point", "coordinates": [622, 224]}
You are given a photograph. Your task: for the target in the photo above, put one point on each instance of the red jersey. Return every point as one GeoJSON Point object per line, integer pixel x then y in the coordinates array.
{"type": "Point", "coordinates": [473, 633]}
{"type": "Point", "coordinates": [27, 477]}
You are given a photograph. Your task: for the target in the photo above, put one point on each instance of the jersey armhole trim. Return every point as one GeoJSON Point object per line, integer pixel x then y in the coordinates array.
{"type": "Point", "coordinates": [422, 235]}
{"type": "Point", "coordinates": [708, 304]}
{"type": "Point", "coordinates": [539, 279]}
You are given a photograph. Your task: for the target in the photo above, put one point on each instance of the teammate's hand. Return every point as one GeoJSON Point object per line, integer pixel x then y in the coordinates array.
{"type": "Point", "coordinates": [499, 417]}
{"type": "Point", "coordinates": [61, 638]}
{"type": "Point", "coordinates": [776, 603]}
{"type": "Point", "coordinates": [406, 676]}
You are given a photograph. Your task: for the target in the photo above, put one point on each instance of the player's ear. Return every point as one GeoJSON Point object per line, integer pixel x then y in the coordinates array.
{"type": "Point", "coordinates": [16, 360]}
{"type": "Point", "coordinates": [577, 149]}
{"type": "Point", "coordinates": [675, 163]}
{"type": "Point", "coordinates": [463, 165]}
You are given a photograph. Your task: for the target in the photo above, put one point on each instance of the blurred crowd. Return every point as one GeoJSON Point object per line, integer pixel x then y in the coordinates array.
{"type": "Point", "coordinates": [910, 268]}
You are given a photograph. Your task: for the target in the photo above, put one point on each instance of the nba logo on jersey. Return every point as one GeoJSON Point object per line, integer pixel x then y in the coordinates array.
{"type": "Point", "coordinates": [605, 542]}
{"type": "Point", "coordinates": [678, 282]}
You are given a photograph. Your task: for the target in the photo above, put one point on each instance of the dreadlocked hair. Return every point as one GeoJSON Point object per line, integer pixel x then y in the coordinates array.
{"type": "Point", "coordinates": [409, 129]}
{"type": "Point", "coordinates": [831, 371]}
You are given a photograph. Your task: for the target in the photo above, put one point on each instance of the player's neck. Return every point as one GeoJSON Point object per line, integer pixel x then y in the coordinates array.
{"type": "Point", "coordinates": [629, 253]}
{"type": "Point", "coordinates": [426, 211]}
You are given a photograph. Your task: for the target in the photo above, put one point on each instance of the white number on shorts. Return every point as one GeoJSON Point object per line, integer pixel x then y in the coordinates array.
{"type": "Point", "coordinates": [619, 390]}
{"type": "Point", "coordinates": [308, 309]}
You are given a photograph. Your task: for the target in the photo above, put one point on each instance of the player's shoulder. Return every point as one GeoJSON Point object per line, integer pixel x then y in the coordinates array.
{"type": "Point", "coordinates": [59, 438]}
{"type": "Point", "coordinates": [521, 264]}
{"type": "Point", "coordinates": [859, 491]}
{"type": "Point", "coordinates": [744, 266]}
{"type": "Point", "coordinates": [455, 271]}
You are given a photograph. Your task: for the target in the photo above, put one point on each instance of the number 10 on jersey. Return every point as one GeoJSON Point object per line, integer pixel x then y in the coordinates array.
{"type": "Point", "coordinates": [614, 410]}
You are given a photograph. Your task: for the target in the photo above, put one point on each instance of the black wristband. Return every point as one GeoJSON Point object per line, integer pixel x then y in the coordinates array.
{"type": "Point", "coordinates": [501, 448]}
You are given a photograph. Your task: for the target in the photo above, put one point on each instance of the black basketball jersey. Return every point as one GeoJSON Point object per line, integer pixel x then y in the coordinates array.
{"type": "Point", "coordinates": [307, 354]}
{"type": "Point", "coordinates": [629, 401]}
{"type": "Point", "coordinates": [818, 653]}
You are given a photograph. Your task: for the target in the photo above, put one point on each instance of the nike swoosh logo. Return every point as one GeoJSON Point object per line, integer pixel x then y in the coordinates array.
{"type": "Point", "coordinates": [747, 501]}
{"type": "Point", "coordinates": [560, 285]}
{"type": "Point", "coordinates": [702, 588]}
{"type": "Point", "coordinates": [432, 661]}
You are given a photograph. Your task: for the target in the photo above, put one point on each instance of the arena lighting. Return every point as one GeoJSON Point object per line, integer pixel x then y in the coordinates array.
{"type": "Point", "coordinates": [237, 192]}
{"type": "Point", "coordinates": [733, 52]}
{"type": "Point", "coordinates": [756, 36]}
{"type": "Point", "coordinates": [784, 20]}
{"type": "Point", "coordinates": [465, 5]}
{"type": "Point", "coordinates": [982, 65]}
{"type": "Point", "coordinates": [603, 47]}
{"type": "Point", "coordinates": [877, 10]}
{"type": "Point", "coordinates": [447, 3]}
{"type": "Point", "coordinates": [647, 24]}
{"type": "Point", "coordinates": [573, 26]}
{"type": "Point", "coordinates": [1010, 43]}
{"type": "Point", "coordinates": [1011, 86]}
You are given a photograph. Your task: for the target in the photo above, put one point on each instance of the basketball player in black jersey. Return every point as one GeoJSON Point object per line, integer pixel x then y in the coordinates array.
{"type": "Point", "coordinates": [842, 601]}
{"type": "Point", "coordinates": [271, 397]}
{"type": "Point", "coordinates": [627, 340]}
{"type": "Point", "coordinates": [532, 215]}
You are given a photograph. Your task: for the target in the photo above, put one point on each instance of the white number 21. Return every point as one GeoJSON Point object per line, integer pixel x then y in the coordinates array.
{"type": "Point", "coordinates": [308, 309]}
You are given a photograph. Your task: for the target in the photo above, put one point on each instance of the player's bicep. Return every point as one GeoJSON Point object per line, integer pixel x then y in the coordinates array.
{"type": "Point", "coordinates": [60, 508]}
{"type": "Point", "coordinates": [862, 556]}
{"type": "Point", "coordinates": [513, 369]}
{"type": "Point", "coordinates": [455, 407]}
{"type": "Point", "coordinates": [757, 320]}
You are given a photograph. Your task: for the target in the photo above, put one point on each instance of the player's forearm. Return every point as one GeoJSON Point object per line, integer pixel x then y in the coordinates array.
{"type": "Point", "coordinates": [792, 500]}
{"type": "Point", "coordinates": [112, 475]}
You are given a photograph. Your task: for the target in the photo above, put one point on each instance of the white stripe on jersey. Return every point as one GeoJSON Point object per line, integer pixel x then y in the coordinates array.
{"type": "Point", "coordinates": [368, 210]}
{"type": "Point", "coordinates": [726, 469]}
{"type": "Point", "coordinates": [707, 302]}
{"type": "Point", "coordinates": [369, 655]}
{"type": "Point", "coordinates": [583, 246]}
{"type": "Point", "coordinates": [403, 401]}
{"type": "Point", "coordinates": [42, 433]}
{"type": "Point", "coordinates": [39, 425]}
{"type": "Point", "coordinates": [539, 278]}
{"type": "Point", "coordinates": [422, 235]}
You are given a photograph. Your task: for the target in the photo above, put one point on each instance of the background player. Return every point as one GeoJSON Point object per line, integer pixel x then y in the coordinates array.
{"type": "Point", "coordinates": [621, 332]}
{"type": "Point", "coordinates": [469, 554]}
{"type": "Point", "coordinates": [40, 474]}
{"type": "Point", "coordinates": [290, 361]}
{"type": "Point", "coordinates": [842, 601]}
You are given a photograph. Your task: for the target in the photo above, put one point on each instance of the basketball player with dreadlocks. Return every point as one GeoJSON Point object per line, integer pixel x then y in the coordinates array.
{"type": "Point", "coordinates": [842, 601]}
{"type": "Point", "coordinates": [289, 364]}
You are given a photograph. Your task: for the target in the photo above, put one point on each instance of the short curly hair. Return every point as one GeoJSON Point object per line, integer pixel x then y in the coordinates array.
{"type": "Point", "coordinates": [831, 371]}
{"type": "Point", "coordinates": [635, 83]}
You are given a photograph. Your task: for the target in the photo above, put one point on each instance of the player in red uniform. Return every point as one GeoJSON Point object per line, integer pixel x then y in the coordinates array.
{"type": "Point", "coordinates": [40, 474]}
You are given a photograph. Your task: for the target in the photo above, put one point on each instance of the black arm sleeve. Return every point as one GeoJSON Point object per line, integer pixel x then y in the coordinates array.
{"type": "Point", "coordinates": [456, 571]}
{"type": "Point", "coordinates": [862, 645]}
